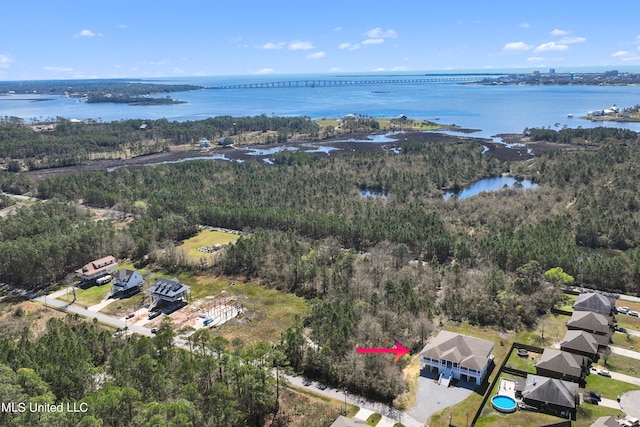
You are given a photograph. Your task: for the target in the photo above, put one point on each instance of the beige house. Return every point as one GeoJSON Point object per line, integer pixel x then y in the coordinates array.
{"type": "Point", "coordinates": [456, 356]}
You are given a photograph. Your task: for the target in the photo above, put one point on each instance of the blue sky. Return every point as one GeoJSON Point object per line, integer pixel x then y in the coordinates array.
{"type": "Point", "coordinates": [92, 39]}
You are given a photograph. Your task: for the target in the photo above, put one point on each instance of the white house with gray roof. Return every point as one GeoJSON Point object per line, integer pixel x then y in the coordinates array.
{"type": "Point", "coordinates": [457, 356]}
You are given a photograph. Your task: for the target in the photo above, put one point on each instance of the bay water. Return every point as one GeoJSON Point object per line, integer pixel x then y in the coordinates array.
{"type": "Point", "coordinates": [491, 109]}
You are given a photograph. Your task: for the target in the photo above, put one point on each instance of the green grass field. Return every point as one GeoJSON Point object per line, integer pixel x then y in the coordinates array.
{"type": "Point", "coordinates": [269, 311]}
{"type": "Point", "coordinates": [205, 238]}
{"type": "Point", "coordinates": [87, 297]}
{"type": "Point", "coordinates": [527, 364]}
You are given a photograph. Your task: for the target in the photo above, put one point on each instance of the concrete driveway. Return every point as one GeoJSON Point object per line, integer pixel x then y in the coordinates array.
{"type": "Point", "coordinates": [433, 398]}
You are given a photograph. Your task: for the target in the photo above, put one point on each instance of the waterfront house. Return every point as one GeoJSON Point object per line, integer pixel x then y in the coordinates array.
{"type": "Point", "coordinates": [456, 356]}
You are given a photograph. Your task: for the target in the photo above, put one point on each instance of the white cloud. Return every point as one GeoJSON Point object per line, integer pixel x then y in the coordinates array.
{"type": "Point", "coordinates": [348, 46]}
{"type": "Point", "coordinates": [373, 41]}
{"type": "Point", "coordinates": [298, 45]}
{"type": "Point", "coordinates": [516, 47]}
{"type": "Point", "coordinates": [551, 46]}
{"type": "Point", "coordinates": [572, 40]}
{"type": "Point", "coordinates": [266, 71]}
{"type": "Point", "coordinates": [123, 26]}
{"type": "Point", "coordinates": [58, 69]}
{"type": "Point", "coordinates": [273, 46]}
{"type": "Point", "coordinates": [316, 55]}
{"type": "Point", "coordinates": [5, 61]}
{"type": "Point", "coordinates": [626, 56]}
{"type": "Point", "coordinates": [379, 33]}
{"type": "Point", "coordinates": [87, 33]}
{"type": "Point", "coordinates": [336, 29]}
{"type": "Point", "coordinates": [335, 69]}
{"type": "Point", "coordinates": [558, 32]}
{"type": "Point", "coordinates": [535, 59]}
{"type": "Point", "coordinates": [525, 25]}
{"type": "Point", "coordinates": [620, 53]}
{"type": "Point", "coordinates": [379, 69]}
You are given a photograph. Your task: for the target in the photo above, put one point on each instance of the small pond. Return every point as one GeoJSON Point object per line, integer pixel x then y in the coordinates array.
{"type": "Point", "coordinates": [367, 192]}
{"type": "Point", "coordinates": [490, 184]}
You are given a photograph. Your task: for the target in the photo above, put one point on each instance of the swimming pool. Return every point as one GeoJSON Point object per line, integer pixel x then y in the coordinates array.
{"type": "Point", "coordinates": [503, 403]}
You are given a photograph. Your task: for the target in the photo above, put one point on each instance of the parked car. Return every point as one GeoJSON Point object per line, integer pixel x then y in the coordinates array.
{"type": "Point", "coordinates": [633, 313]}
{"type": "Point", "coordinates": [322, 386]}
{"type": "Point", "coordinates": [623, 309]}
{"type": "Point", "coordinates": [595, 395]}
{"type": "Point", "coordinates": [130, 315]}
{"type": "Point", "coordinates": [604, 373]}
{"type": "Point", "coordinates": [306, 382]}
{"type": "Point", "coordinates": [154, 330]}
{"type": "Point", "coordinates": [591, 400]}
{"type": "Point", "coordinates": [620, 329]}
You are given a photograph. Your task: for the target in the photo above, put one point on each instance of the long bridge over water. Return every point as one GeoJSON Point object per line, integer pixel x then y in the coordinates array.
{"type": "Point", "coordinates": [358, 82]}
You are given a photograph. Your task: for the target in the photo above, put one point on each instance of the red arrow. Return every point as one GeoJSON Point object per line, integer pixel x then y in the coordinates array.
{"type": "Point", "coordinates": [398, 349]}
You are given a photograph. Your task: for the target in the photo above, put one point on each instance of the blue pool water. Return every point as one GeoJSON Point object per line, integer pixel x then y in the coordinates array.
{"type": "Point", "coordinates": [503, 403]}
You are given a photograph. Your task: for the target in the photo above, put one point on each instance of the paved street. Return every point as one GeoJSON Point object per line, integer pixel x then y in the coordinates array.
{"type": "Point", "coordinates": [361, 402]}
{"type": "Point", "coordinates": [51, 301]}
{"type": "Point", "coordinates": [624, 352]}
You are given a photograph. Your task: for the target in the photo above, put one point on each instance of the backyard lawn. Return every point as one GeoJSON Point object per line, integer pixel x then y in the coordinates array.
{"type": "Point", "coordinates": [527, 364]}
{"type": "Point", "coordinates": [205, 238]}
{"type": "Point", "coordinates": [87, 297]}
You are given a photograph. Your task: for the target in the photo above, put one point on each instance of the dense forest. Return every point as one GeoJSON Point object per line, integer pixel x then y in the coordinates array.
{"type": "Point", "coordinates": [117, 88]}
{"type": "Point", "coordinates": [373, 268]}
{"type": "Point", "coordinates": [138, 382]}
{"type": "Point", "coordinates": [61, 142]}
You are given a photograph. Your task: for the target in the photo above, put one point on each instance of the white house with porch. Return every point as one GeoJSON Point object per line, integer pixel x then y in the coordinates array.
{"type": "Point", "coordinates": [127, 282]}
{"type": "Point", "coordinates": [456, 356]}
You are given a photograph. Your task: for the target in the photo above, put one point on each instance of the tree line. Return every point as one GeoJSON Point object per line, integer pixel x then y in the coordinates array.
{"type": "Point", "coordinates": [135, 381]}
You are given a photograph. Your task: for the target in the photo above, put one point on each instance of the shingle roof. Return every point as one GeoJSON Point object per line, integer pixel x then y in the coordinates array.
{"type": "Point", "coordinates": [560, 361]}
{"type": "Point", "coordinates": [467, 351]}
{"type": "Point", "coordinates": [607, 421]}
{"type": "Point", "coordinates": [580, 341]}
{"type": "Point", "coordinates": [550, 390]}
{"type": "Point", "coordinates": [589, 321]}
{"type": "Point", "coordinates": [592, 301]}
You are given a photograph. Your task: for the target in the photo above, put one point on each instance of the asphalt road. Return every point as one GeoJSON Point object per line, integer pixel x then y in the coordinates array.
{"type": "Point", "coordinates": [361, 402]}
